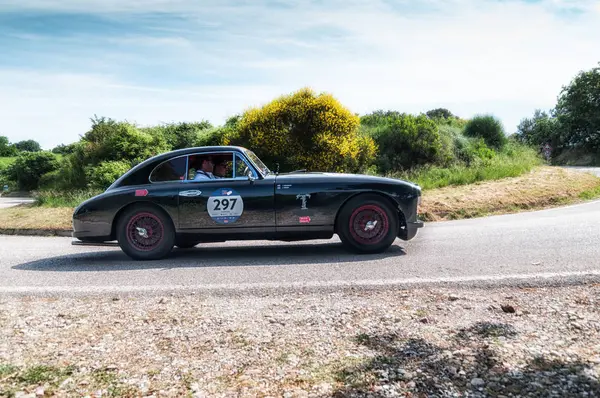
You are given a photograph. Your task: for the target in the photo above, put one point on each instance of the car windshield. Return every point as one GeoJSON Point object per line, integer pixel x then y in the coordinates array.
{"type": "Point", "coordinates": [259, 163]}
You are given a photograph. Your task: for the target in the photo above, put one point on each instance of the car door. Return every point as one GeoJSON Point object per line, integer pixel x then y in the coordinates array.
{"type": "Point", "coordinates": [227, 204]}
{"type": "Point", "coordinates": [304, 202]}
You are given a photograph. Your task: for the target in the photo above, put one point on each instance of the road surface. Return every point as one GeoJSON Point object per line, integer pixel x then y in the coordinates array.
{"type": "Point", "coordinates": [593, 170]}
{"type": "Point", "coordinates": [534, 247]}
{"type": "Point", "coordinates": [10, 202]}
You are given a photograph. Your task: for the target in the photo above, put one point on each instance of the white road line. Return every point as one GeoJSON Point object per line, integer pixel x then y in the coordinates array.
{"type": "Point", "coordinates": [245, 286]}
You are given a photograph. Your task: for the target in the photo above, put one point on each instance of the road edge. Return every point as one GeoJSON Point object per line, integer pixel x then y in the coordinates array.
{"type": "Point", "coordinates": [525, 281]}
{"type": "Point", "coordinates": [35, 232]}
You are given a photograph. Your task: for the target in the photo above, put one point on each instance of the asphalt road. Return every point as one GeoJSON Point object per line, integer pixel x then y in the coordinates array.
{"type": "Point", "coordinates": [593, 170]}
{"type": "Point", "coordinates": [9, 202]}
{"type": "Point", "coordinates": [557, 245]}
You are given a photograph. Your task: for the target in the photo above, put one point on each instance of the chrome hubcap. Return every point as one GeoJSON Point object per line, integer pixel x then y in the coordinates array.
{"type": "Point", "coordinates": [370, 225]}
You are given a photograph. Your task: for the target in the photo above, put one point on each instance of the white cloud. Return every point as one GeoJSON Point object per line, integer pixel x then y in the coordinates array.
{"type": "Point", "coordinates": [471, 56]}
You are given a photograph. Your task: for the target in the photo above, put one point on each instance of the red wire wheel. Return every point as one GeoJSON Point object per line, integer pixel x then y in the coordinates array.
{"type": "Point", "coordinates": [369, 224]}
{"type": "Point", "coordinates": [145, 232]}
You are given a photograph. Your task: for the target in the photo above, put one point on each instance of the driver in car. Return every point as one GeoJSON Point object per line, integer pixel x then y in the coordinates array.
{"type": "Point", "coordinates": [220, 169]}
{"type": "Point", "coordinates": [205, 170]}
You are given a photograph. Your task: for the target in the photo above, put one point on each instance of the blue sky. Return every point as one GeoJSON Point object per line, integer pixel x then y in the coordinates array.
{"type": "Point", "coordinates": [159, 61]}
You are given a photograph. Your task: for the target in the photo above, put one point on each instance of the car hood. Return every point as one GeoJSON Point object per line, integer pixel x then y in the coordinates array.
{"type": "Point", "coordinates": [344, 177]}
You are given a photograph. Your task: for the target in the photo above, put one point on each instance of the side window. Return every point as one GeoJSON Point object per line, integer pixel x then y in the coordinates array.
{"type": "Point", "coordinates": [208, 166]}
{"type": "Point", "coordinates": [240, 167]}
{"type": "Point", "coordinates": [172, 170]}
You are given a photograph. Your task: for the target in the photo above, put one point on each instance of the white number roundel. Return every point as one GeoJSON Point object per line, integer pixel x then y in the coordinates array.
{"type": "Point", "coordinates": [225, 205]}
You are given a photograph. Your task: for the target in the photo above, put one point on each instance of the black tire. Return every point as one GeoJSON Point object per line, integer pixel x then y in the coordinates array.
{"type": "Point", "coordinates": [155, 223]}
{"type": "Point", "coordinates": [353, 221]}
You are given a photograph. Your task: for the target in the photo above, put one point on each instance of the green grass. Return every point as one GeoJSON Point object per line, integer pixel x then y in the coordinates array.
{"type": "Point", "coordinates": [7, 369]}
{"type": "Point", "coordinates": [42, 373]}
{"type": "Point", "coordinates": [511, 162]}
{"type": "Point", "coordinates": [72, 198]}
{"type": "Point", "coordinates": [590, 194]}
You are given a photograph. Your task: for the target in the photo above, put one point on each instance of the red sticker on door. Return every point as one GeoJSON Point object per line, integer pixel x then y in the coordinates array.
{"type": "Point", "coordinates": [305, 219]}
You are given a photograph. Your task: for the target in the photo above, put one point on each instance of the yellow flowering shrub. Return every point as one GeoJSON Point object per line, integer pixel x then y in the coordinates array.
{"type": "Point", "coordinates": [305, 130]}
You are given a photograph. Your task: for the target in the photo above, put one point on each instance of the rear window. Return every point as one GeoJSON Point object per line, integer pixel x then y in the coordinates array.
{"type": "Point", "coordinates": [172, 170]}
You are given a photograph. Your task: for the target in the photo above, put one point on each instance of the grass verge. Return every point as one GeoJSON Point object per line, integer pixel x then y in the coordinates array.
{"type": "Point", "coordinates": [31, 217]}
{"type": "Point", "coordinates": [50, 198]}
{"type": "Point", "coordinates": [514, 161]}
{"type": "Point", "coordinates": [541, 188]}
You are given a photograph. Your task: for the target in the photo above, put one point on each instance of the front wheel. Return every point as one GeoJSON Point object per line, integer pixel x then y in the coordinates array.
{"type": "Point", "coordinates": [367, 224]}
{"type": "Point", "coordinates": [145, 233]}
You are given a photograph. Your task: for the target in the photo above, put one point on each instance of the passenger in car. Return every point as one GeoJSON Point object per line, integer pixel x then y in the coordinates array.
{"type": "Point", "coordinates": [205, 172]}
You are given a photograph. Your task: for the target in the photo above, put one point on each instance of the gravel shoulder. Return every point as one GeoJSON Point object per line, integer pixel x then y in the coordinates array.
{"type": "Point", "coordinates": [428, 342]}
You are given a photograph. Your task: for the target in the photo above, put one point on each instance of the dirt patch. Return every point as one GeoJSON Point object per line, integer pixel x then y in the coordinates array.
{"type": "Point", "coordinates": [30, 217]}
{"type": "Point", "coordinates": [438, 342]}
{"type": "Point", "coordinates": [542, 188]}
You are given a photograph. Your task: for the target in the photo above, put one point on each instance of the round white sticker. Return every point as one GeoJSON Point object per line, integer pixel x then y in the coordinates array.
{"type": "Point", "coordinates": [225, 205]}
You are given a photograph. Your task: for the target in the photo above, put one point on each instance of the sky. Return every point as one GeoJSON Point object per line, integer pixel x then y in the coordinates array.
{"type": "Point", "coordinates": [161, 61]}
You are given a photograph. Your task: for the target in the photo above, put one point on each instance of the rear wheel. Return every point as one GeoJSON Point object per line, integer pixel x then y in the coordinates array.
{"type": "Point", "coordinates": [367, 224]}
{"type": "Point", "coordinates": [145, 233]}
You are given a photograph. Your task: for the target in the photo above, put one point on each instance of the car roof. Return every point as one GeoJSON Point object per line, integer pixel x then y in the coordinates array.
{"type": "Point", "coordinates": [154, 160]}
{"type": "Point", "coordinates": [186, 151]}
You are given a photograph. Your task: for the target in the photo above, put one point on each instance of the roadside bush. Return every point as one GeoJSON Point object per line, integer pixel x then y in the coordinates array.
{"type": "Point", "coordinates": [70, 173]}
{"type": "Point", "coordinates": [489, 128]}
{"type": "Point", "coordinates": [179, 135]}
{"type": "Point", "coordinates": [405, 141]}
{"type": "Point", "coordinates": [109, 140]}
{"type": "Point", "coordinates": [101, 176]}
{"type": "Point", "coordinates": [512, 161]}
{"type": "Point", "coordinates": [29, 167]}
{"type": "Point", "coordinates": [303, 130]}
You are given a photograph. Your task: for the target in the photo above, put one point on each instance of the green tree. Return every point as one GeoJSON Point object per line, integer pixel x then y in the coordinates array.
{"type": "Point", "coordinates": [439, 113]}
{"type": "Point", "coordinates": [540, 129]}
{"type": "Point", "coordinates": [28, 146]}
{"type": "Point", "coordinates": [303, 130]}
{"type": "Point", "coordinates": [578, 111]}
{"type": "Point", "coordinates": [6, 149]}
{"type": "Point", "coordinates": [109, 140]}
{"type": "Point", "coordinates": [29, 167]}
{"type": "Point", "coordinates": [404, 140]}
{"type": "Point", "coordinates": [489, 128]}
{"type": "Point", "coordinates": [63, 149]}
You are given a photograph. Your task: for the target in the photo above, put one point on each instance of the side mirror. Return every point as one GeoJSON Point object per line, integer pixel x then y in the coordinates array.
{"type": "Point", "coordinates": [250, 175]}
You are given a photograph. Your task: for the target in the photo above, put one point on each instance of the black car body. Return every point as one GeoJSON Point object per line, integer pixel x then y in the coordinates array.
{"type": "Point", "coordinates": [157, 205]}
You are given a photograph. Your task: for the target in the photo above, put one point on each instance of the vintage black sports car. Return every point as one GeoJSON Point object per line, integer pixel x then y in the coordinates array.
{"type": "Point", "coordinates": [213, 194]}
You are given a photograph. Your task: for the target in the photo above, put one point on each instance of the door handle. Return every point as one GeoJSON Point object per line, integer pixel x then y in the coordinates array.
{"type": "Point", "coordinates": [193, 192]}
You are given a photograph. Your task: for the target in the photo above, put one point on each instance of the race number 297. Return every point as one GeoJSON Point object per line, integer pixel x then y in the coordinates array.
{"type": "Point", "coordinates": [225, 206]}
